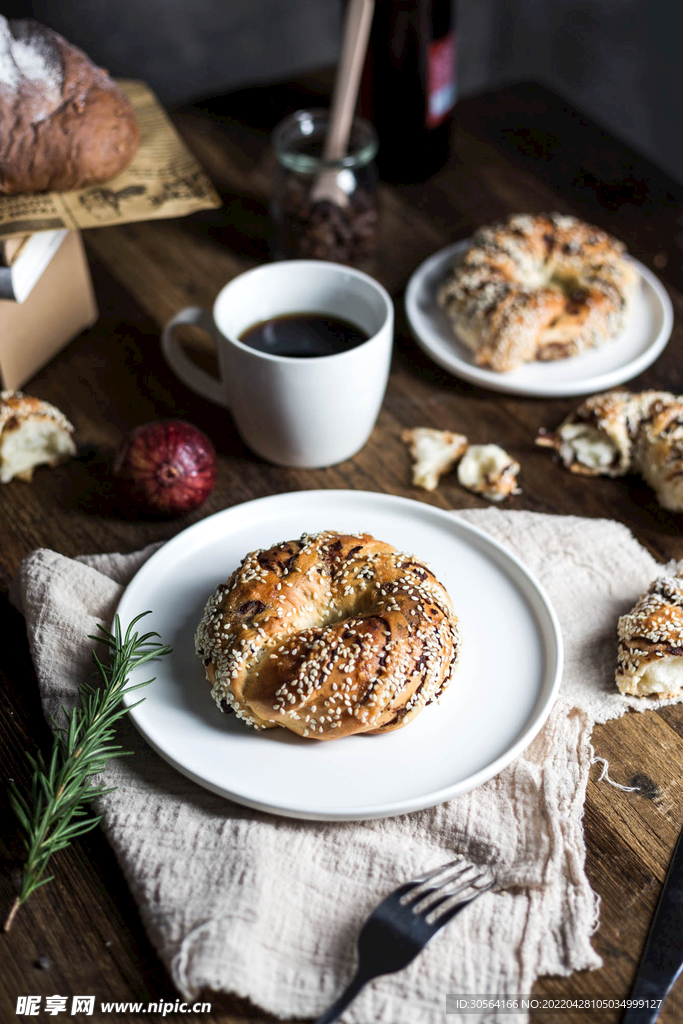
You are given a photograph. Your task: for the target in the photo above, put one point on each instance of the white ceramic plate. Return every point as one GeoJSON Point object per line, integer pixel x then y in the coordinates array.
{"type": "Point", "coordinates": [639, 344]}
{"type": "Point", "coordinates": [498, 700]}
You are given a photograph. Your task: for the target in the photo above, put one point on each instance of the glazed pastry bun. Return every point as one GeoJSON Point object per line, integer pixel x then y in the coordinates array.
{"type": "Point", "coordinates": [538, 287]}
{"type": "Point", "coordinates": [329, 635]}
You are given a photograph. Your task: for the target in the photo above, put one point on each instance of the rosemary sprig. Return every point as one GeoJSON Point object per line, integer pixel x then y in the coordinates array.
{"type": "Point", "coordinates": [55, 808]}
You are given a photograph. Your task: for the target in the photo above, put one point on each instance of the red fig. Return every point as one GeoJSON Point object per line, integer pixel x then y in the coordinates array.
{"type": "Point", "coordinates": [168, 467]}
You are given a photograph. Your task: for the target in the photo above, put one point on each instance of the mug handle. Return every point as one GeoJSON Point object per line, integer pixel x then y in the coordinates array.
{"type": "Point", "coordinates": [201, 382]}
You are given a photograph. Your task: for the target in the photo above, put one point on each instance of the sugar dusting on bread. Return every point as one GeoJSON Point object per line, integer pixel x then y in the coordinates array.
{"type": "Point", "coordinates": [27, 55]}
{"type": "Point", "coordinates": [64, 123]}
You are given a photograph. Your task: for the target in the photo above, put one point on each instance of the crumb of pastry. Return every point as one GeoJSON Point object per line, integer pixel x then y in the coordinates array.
{"type": "Point", "coordinates": [487, 469]}
{"type": "Point", "coordinates": [32, 433]}
{"type": "Point", "coordinates": [435, 452]}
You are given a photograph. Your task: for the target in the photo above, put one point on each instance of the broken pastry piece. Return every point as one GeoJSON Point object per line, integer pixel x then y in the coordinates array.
{"type": "Point", "coordinates": [32, 433]}
{"type": "Point", "coordinates": [650, 657]}
{"type": "Point", "coordinates": [595, 440]}
{"type": "Point", "coordinates": [434, 452]}
{"type": "Point", "coordinates": [487, 469]}
{"type": "Point", "coordinates": [619, 432]}
{"type": "Point", "coordinates": [658, 447]}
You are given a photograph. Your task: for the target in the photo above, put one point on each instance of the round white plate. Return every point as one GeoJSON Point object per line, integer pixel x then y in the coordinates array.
{"type": "Point", "coordinates": [498, 699]}
{"type": "Point", "coordinates": [641, 341]}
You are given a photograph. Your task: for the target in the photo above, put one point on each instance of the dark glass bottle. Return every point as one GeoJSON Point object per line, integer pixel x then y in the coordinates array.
{"type": "Point", "coordinates": [409, 86]}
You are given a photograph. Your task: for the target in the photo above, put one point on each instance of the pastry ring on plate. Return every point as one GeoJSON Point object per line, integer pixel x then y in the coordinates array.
{"type": "Point", "coordinates": [329, 635]}
{"type": "Point", "coordinates": [538, 288]}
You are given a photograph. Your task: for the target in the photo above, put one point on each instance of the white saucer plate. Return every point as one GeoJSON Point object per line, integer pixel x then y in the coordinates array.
{"type": "Point", "coordinates": [498, 700]}
{"type": "Point", "coordinates": [642, 340]}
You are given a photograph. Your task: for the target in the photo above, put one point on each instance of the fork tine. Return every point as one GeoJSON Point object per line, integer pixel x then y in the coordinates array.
{"type": "Point", "coordinates": [426, 890]}
{"type": "Point", "coordinates": [432, 880]}
{"type": "Point", "coordinates": [457, 862]}
{"type": "Point", "coordinates": [464, 879]}
{"type": "Point", "coordinates": [448, 907]}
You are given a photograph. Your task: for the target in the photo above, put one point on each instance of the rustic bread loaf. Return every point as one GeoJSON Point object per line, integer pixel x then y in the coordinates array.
{"type": "Point", "coordinates": [63, 122]}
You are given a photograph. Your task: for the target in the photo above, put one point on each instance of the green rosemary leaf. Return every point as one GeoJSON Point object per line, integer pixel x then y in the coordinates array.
{"type": "Point", "coordinates": [54, 810]}
{"type": "Point", "coordinates": [21, 810]}
{"type": "Point", "coordinates": [43, 881]}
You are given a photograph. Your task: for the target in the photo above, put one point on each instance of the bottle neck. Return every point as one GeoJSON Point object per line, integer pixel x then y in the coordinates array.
{"type": "Point", "coordinates": [409, 85]}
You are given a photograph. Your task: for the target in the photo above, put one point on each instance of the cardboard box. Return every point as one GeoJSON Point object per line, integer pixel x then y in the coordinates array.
{"type": "Point", "coordinates": [61, 305]}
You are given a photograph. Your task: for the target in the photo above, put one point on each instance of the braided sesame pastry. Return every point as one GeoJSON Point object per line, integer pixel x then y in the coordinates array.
{"type": "Point", "coordinates": [539, 287]}
{"type": "Point", "coordinates": [650, 658]}
{"type": "Point", "coordinates": [32, 433]}
{"type": "Point", "coordinates": [329, 635]}
{"type": "Point", "coordinates": [621, 432]}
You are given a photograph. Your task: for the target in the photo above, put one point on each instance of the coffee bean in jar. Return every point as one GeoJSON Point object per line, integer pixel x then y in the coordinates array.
{"type": "Point", "coordinates": [307, 228]}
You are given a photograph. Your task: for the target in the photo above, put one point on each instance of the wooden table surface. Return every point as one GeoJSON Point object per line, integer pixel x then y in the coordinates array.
{"type": "Point", "coordinates": [520, 149]}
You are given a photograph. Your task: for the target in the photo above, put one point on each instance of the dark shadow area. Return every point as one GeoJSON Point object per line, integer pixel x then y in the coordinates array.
{"type": "Point", "coordinates": [579, 158]}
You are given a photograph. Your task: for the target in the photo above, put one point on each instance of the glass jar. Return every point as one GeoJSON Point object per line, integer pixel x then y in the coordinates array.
{"type": "Point", "coordinates": [323, 230]}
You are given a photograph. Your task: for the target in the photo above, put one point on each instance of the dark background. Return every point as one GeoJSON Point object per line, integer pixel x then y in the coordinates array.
{"type": "Point", "coordinates": [618, 60]}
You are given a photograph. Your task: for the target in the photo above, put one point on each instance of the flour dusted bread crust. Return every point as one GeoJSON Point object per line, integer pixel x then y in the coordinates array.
{"type": "Point", "coordinates": [621, 432]}
{"type": "Point", "coordinates": [538, 287]}
{"type": "Point", "coordinates": [64, 123]}
{"type": "Point", "coordinates": [32, 433]}
{"type": "Point", "coordinates": [650, 658]}
{"type": "Point", "coordinates": [329, 635]}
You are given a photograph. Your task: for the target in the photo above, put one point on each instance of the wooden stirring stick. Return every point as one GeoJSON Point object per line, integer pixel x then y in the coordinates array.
{"type": "Point", "coordinates": [347, 81]}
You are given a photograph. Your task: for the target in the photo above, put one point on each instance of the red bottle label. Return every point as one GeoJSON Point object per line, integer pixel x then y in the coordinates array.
{"type": "Point", "coordinates": [440, 79]}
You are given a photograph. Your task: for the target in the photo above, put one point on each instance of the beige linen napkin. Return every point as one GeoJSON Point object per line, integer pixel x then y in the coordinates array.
{"type": "Point", "coordinates": [268, 908]}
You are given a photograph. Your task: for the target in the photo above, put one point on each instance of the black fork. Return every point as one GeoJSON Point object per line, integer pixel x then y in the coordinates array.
{"type": "Point", "coordinates": [402, 925]}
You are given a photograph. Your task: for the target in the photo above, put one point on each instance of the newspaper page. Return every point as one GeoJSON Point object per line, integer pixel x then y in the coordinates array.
{"type": "Point", "coordinates": [162, 180]}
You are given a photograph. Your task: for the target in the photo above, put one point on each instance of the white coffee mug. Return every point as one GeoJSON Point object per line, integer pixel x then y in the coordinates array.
{"type": "Point", "coordinates": [304, 413]}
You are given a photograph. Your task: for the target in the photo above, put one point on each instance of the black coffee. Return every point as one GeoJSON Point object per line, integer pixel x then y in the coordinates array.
{"type": "Point", "coordinates": [304, 335]}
